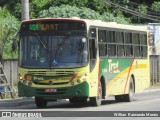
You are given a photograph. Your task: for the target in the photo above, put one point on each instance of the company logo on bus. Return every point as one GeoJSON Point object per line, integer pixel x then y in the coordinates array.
{"type": "Point", "coordinates": [113, 67]}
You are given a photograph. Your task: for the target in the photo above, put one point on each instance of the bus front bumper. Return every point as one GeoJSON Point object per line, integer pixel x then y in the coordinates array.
{"type": "Point", "coordinates": [80, 90]}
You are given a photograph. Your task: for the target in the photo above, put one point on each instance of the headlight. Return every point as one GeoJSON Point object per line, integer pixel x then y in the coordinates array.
{"type": "Point", "coordinates": [28, 77]}
{"type": "Point", "coordinates": [78, 81]}
{"type": "Point", "coordinates": [20, 77]}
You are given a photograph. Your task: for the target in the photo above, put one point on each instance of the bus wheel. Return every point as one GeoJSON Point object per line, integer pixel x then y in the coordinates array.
{"type": "Point", "coordinates": [40, 102]}
{"type": "Point", "coordinates": [96, 101]}
{"type": "Point", "coordinates": [73, 100]}
{"type": "Point", "coordinates": [129, 97]}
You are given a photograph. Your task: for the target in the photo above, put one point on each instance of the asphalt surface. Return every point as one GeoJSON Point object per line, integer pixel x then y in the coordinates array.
{"type": "Point", "coordinates": [25, 101]}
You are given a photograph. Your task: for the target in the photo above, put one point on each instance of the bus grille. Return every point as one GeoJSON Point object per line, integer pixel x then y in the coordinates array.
{"type": "Point", "coordinates": [58, 74]}
{"type": "Point", "coordinates": [51, 73]}
{"type": "Point", "coordinates": [61, 83]}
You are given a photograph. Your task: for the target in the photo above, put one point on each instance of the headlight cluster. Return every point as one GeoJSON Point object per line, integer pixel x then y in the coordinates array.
{"type": "Point", "coordinates": [26, 79]}
{"type": "Point", "coordinates": [78, 81]}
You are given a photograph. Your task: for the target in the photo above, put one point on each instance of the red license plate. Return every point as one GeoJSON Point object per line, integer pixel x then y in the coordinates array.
{"type": "Point", "coordinates": [50, 90]}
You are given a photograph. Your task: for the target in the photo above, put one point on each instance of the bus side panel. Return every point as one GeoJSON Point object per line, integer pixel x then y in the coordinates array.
{"type": "Point", "coordinates": [117, 73]}
{"type": "Point", "coordinates": [140, 73]}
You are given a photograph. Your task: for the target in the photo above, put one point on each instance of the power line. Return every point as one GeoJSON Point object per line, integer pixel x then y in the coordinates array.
{"type": "Point", "coordinates": [134, 5]}
{"type": "Point", "coordinates": [135, 13]}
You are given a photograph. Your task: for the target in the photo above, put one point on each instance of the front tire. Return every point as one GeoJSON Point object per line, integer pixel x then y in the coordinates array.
{"type": "Point", "coordinates": [96, 101]}
{"type": "Point", "coordinates": [40, 102]}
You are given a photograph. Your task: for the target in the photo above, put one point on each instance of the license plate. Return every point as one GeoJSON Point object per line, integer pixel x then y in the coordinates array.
{"type": "Point", "coordinates": [50, 90]}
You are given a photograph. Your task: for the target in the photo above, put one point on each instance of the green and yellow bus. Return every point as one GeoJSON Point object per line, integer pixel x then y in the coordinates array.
{"type": "Point", "coordinates": [79, 59]}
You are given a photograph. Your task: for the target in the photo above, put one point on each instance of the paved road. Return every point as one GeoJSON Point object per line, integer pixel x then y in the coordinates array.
{"type": "Point", "coordinates": [146, 101]}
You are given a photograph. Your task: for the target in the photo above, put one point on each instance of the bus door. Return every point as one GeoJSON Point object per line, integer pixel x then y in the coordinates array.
{"type": "Point", "coordinates": [94, 63]}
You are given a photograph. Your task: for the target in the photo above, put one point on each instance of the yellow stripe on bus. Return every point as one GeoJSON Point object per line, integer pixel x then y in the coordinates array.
{"type": "Point", "coordinates": [125, 71]}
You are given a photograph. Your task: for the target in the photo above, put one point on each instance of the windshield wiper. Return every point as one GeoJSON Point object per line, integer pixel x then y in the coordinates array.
{"type": "Point", "coordinates": [60, 45]}
{"type": "Point", "coordinates": [41, 42]}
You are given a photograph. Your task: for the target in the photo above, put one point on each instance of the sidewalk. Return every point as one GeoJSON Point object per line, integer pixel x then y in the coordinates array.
{"type": "Point", "coordinates": [25, 101]}
{"type": "Point", "coordinates": [151, 89]}
{"type": "Point", "coordinates": [16, 102]}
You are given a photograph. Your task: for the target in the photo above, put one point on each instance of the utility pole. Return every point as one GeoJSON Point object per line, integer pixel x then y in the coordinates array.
{"type": "Point", "coordinates": [25, 9]}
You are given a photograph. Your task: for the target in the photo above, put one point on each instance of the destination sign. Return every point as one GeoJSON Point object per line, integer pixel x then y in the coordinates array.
{"type": "Point", "coordinates": [53, 25]}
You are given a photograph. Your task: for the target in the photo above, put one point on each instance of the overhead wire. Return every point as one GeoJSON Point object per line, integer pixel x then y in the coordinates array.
{"type": "Point", "coordinates": [135, 5]}
{"type": "Point", "coordinates": [133, 12]}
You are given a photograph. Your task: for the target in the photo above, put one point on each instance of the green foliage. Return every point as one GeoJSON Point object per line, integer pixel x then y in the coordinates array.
{"type": "Point", "coordinates": [86, 9]}
{"type": "Point", "coordinates": [65, 11]}
{"type": "Point", "coordinates": [8, 27]}
{"type": "Point", "coordinates": [156, 6]}
{"type": "Point", "coordinates": [99, 6]}
{"type": "Point", "coordinates": [142, 9]}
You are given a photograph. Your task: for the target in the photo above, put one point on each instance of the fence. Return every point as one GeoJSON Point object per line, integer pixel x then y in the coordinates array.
{"type": "Point", "coordinates": [11, 71]}
{"type": "Point", "coordinates": [155, 69]}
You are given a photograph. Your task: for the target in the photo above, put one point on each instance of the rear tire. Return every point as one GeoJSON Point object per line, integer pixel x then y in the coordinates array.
{"type": "Point", "coordinates": [129, 97]}
{"type": "Point", "coordinates": [40, 102]}
{"type": "Point", "coordinates": [96, 101]}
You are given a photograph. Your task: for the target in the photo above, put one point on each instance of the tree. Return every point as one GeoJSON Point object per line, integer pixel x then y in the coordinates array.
{"type": "Point", "coordinates": [156, 6]}
{"type": "Point", "coordinates": [8, 27]}
{"type": "Point", "coordinates": [65, 11]}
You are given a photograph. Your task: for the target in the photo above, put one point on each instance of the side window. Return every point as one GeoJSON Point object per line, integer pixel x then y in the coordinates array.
{"type": "Point", "coordinates": [136, 45]}
{"type": "Point", "coordinates": [112, 47]}
{"type": "Point", "coordinates": [102, 36]}
{"type": "Point", "coordinates": [128, 44]}
{"type": "Point", "coordinates": [143, 39]}
{"type": "Point", "coordinates": [120, 43]}
{"type": "Point", "coordinates": [143, 45]}
{"type": "Point", "coordinates": [136, 39]}
{"type": "Point", "coordinates": [102, 49]}
{"type": "Point", "coordinates": [121, 51]}
{"type": "Point", "coordinates": [102, 41]}
{"type": "Point", "coordinates": [112, 50]}
{"type": "Point", "coordinates": [111, 36]}
{"type": "Point", "coordinates": [129, 50]}
{"type": "Point", "coordinates": [128, 38]}
{"type": "Point", "coordinates": [119, 37]}
{"type": "Point", "coordinates": [137, 52]}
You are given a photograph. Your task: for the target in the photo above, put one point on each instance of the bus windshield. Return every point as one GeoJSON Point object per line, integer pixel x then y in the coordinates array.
{"type": "Point", "coordinates": [40, 51]}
